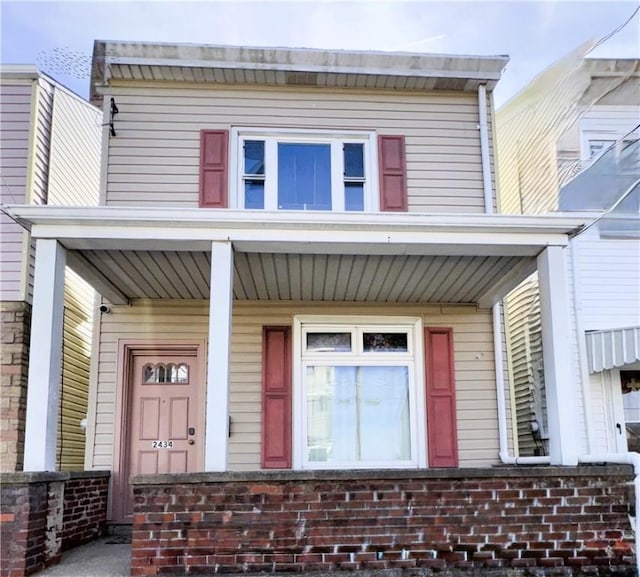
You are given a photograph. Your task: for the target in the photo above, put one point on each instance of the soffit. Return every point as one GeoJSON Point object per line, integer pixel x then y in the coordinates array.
{"type": "Point", "coordinates": [305, 277]}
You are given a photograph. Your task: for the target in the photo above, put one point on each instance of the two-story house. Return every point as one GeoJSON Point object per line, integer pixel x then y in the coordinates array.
{"type": "Point", "coordinates": [299, 361]}
{"type": "Point", "coordinates": [49, 155]}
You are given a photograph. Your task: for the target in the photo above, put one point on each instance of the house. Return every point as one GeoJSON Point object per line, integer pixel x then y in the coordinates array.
{"type": "Point", "coordinates": [50, 155]}
{"type": "Point", "coordinates": [299, 361]}
{"type": "Point", "coordinates": [573, 112]}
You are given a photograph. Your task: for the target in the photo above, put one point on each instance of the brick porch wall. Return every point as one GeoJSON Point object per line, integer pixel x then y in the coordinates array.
{"type": "Point", "coordinates": [42, 514]}
{"type": "Point", "coordinates": [544, 519]}
{"type": "Point", "coordinates": [15, 328]}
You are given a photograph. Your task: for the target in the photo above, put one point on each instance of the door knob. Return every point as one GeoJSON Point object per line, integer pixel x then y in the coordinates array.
{"type": "Point", "coordinates": [619, 427]}
{"type": "Point", "coordinates": [191, 442]}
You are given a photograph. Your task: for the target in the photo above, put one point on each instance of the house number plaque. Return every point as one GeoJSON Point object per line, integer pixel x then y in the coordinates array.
{"type": "Point", "coordinates": [162, 444]}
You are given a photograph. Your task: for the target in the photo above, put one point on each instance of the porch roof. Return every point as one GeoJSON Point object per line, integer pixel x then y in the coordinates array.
{"type": "Point", "coordinates": [129, 253]}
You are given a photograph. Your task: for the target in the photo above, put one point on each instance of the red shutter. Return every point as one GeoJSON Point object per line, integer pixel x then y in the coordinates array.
{"type": "Point", "coordinates": [393, 173]}
{"type": "Point", "coordinates": [442, 430]}
{"type": "Point", "coordinates": [213, 168]}
{"type": "Point", "coordinates": [276, 398]}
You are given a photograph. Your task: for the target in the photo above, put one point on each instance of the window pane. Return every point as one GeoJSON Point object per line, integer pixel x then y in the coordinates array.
{"type": "Point", "coordinates": [354, 196]}
{"type": "Point", "coordinates": [357, 414]}
{"type": "Point", "coordinates": [254, 193]}
{"type": "Point", "coordinates": [354, 160]}
{"type": "Point", "coordinates": [385, 342]}
{"type": "Point", "coordinates": [254, 157]}
{"type": "Point", "coordinates": [304, 176]}
{"type": "Point", "coordinates": [324, 342]}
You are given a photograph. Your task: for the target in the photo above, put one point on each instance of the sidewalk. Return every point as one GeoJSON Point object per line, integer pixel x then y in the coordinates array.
{"type": "Point", "coordinates": [96, 559]}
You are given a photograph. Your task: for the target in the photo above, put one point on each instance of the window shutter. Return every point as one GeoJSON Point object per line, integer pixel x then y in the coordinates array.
{"type": "Point", "coordinates": [276, 398]}
{"type": "Point", "coordinates": [393, 177]}
{"type": "Point", "coordinates": [213, 168]}
{"type": "Point", "coordinates": [442, 430]}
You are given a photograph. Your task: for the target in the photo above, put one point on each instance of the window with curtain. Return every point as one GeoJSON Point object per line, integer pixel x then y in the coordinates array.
{"type": "Point", "coordinates": [358, 389]}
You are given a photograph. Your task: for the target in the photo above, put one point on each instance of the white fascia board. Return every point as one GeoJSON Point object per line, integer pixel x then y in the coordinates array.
{"type": "Point", "coordinates": [193, 229]}
{"type": "Point", "coordinates": [228, 219]}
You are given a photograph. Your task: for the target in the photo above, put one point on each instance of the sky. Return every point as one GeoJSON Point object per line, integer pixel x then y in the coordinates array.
{"type": "Point", "coordinates": [58, 36]}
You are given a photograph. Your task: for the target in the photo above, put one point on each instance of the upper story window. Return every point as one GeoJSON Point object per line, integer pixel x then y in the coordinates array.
{"type": "Point", "coordinates": [305, 171]}
{"type": "Point", "coordinates": [302, 170]}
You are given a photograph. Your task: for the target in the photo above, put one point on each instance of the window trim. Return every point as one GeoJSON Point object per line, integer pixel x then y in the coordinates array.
{"type": "Point", "coordinates": [414, 359]}
{"type": "Point", "coordinates": [310, 136]}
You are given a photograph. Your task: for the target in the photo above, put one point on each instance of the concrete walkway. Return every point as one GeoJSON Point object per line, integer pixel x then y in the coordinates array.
{"type": "Point", "coordinates": [96, 559]}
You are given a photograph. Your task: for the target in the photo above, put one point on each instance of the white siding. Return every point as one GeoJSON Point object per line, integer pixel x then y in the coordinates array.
{"type": "Point", "coordinates": [474, 365]}
{"type": "Point", "coordinates": [609, 281]}
{"type": "Point", "coordinates": [15, 115]}
{"type": "Point", "coordinates": [154, 159]}
{"type": "Point", "coordinates": [74, 175]}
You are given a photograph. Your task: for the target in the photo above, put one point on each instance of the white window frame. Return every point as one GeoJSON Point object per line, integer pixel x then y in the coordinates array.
{"type": "Point", "coordinates": [413, 358]}
{"type": "Point", "coordinates": [335, 138]}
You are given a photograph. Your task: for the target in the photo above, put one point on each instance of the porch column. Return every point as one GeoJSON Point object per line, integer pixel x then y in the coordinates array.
{"type": "Point", "coordinates": [559, 377]}
{"type": "Point", "coordinates": [219, 353]}
{"type": "Point", "coordinates": [45, 357]}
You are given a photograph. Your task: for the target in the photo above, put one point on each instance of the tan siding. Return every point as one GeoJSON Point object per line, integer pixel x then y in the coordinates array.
{"type": "Point", "coordinates": [475, 379]}
{"type": "Point", "coordinates": [15, 114]}
{"type": "Point", "coordinates": [78, 323]}
{"type": "Point", "coordinates": [74, 176]}
{"type": "Point", "coordinates": [154, 158]}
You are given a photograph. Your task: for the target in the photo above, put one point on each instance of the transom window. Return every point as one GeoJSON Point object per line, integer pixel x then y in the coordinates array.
{"type": "Point", "coordinates": [357, 394]}
{"type": "Point", "coordinates": [161, 373]}
{"type": "Point", "coordinates": [292, 170]}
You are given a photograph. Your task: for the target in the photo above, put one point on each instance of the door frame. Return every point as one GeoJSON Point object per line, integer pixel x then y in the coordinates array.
{"type": "Point", "coordinates": [127, 350]}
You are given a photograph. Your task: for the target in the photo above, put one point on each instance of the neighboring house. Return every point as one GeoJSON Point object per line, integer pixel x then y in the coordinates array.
{"type": "Point", "coordinates": [547, 134]}
{"type": "Point", "coordinates": [605, 265]}
{"type": "Point", "coordinates": [299, 361]}
{"type": "Point", "coordinates": [49, 155]}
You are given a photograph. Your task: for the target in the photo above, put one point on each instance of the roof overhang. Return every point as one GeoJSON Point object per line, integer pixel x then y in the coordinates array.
{"type": "Point", "coordinates": [612, 348]}
{"type": "Point", "coordinates": [468, 258]}
{"type": "Point", "coordinates": [290, 66]}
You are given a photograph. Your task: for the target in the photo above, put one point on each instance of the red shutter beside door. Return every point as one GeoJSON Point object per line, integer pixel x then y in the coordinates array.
{"type": "Point", "coordinates": [393, 177]}
{"type": "Point", "coordinates": [213, 168]}
{"type": "Point", "coordinates": [442, 430]}
{"type": "Point", "coordinates": [276, 398]}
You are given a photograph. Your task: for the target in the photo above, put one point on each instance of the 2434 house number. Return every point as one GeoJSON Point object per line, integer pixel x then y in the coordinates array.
{"type": "Point", "coordinates": [162, 444]}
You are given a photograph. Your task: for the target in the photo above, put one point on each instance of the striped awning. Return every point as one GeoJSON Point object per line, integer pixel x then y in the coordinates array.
{"type": "Point", "coordinates": [612, 348]}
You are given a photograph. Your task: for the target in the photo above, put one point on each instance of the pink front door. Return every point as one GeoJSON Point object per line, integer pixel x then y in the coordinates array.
{"type": "Point", "coordinates": [165, 425]}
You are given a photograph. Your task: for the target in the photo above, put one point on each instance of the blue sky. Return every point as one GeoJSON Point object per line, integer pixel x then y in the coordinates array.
{"type": "Point", "coordinates": [58, 36]}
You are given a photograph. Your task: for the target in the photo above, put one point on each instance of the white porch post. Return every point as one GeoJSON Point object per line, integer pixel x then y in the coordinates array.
{"type": "Point", "coordinates": [219, 354]}
{"type": "Point", "coordinates": [559, 377]}
{"type": "Point", "coordinates": [45, 357]}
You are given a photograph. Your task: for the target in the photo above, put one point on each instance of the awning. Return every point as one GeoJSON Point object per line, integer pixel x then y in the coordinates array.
{"type": "Point", "coordinates": [612, 348]}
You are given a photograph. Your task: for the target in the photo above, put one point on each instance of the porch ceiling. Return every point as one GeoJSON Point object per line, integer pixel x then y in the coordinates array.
{"type": "Point", "coordinates": [300, 277]}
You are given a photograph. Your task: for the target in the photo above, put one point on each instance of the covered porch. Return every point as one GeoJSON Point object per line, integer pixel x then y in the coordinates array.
{"type": "Point", "coordinates": [233, 256]}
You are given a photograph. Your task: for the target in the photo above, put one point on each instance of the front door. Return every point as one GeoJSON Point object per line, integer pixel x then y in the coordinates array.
{"type": "Point", "coordinates": [165, 424]}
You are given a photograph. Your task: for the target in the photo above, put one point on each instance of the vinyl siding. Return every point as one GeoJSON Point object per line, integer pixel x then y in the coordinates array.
{"type": "Point", "coordinates": [474, 365]}
{"type": "Point", "coordinates": [609, 281]}
{"type": "Point", "coordinates": [74, 179]}
{"type": "Point", "coordinates": [15, 114]}
{"type": "Point", "coordinates": [79, 303]}
{"type": "Point", "coordinates": [74, 175]}
{"type": "Point", "coordinates": [154, 158]}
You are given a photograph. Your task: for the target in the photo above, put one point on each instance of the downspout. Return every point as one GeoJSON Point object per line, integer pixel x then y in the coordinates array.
{"type": "Point", "coordinates": [497, 325]}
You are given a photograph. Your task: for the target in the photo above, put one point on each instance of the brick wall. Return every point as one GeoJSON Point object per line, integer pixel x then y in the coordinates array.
{"type": "Point", "coordinates": [42, 514]}
{"type": "Point", "coordinates": [542, 518]}
{"type": "Point", "coordinates": [15, 323]}
{"type": "Point", "coordinates": [85, 508]}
